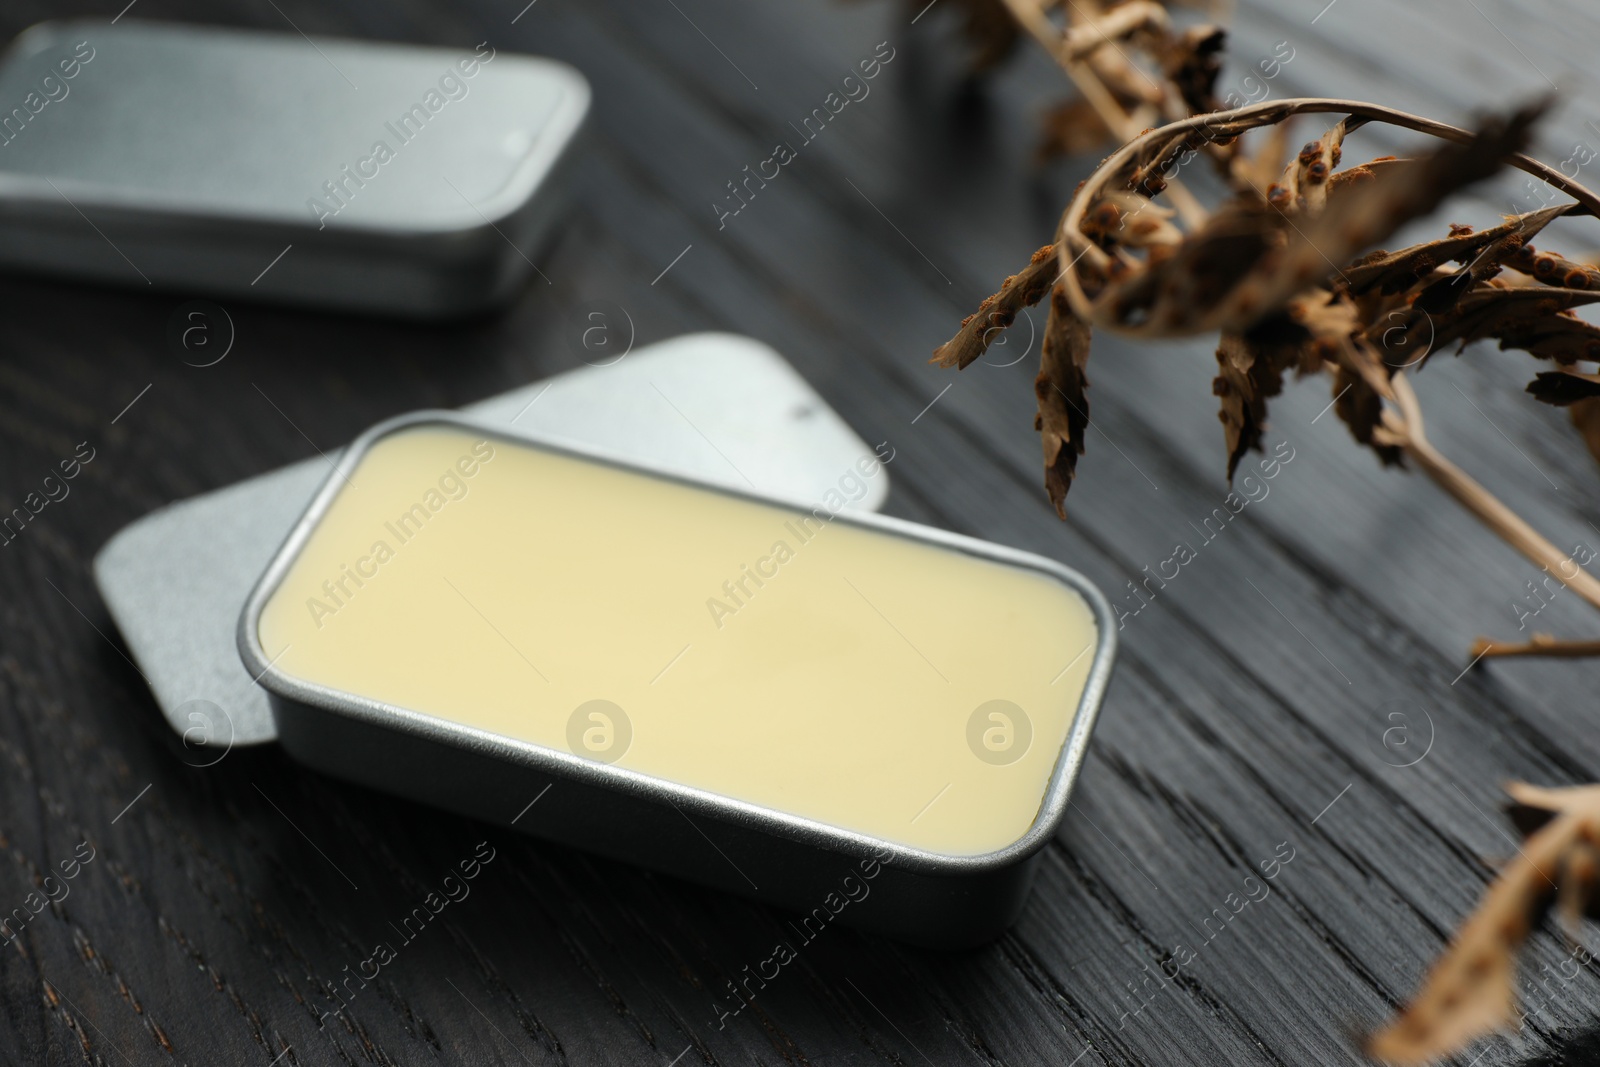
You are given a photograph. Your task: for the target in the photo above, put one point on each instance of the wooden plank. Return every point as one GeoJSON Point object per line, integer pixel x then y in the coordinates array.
{"type": "Point", "coordinates": [210, 922]}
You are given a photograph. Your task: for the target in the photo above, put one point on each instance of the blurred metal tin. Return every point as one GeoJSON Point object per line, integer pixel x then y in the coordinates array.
{"type": "Point", "coordinates": [195, 158]}
{"type": "Point", "coordinates": [920, 896]}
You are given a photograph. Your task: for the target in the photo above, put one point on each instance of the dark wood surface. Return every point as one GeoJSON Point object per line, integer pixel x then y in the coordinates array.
{"type": "Point", "coordinates": [1248, 715]}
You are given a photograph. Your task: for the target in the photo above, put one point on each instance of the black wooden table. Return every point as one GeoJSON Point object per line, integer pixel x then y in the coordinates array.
{"type": "Point", "coordinates": [1254, 710]}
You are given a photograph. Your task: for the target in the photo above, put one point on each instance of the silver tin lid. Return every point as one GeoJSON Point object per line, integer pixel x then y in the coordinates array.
{"type": "Point", "coordinates": [388, 178]}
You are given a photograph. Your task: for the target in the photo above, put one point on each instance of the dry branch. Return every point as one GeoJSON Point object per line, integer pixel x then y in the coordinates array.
{"type": "Point", "coordinates": [1287, 278]}
{"type": "Point", "coordinates": [1286, 274]}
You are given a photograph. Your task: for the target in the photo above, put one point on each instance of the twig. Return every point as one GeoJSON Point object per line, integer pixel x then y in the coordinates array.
{"type": "Point", "coordinates": [1068, 51]}
{"type": "Point", "coordinates": [1537, 645]}
{"type": "Point", "coordinates": [1406, 430]}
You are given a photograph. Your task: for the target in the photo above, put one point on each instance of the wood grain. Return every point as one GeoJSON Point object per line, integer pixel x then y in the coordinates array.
{"type": "Point", "coordinates": [1250, 707]}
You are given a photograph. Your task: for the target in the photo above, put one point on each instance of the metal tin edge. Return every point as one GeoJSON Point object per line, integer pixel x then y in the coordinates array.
{"type": "Point", "coordinates": [713, 805]}
{"type": "Point", "coordinates": [556, 138]}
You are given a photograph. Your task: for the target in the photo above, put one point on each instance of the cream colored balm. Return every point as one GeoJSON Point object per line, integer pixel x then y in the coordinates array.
{"type": "Point", "coordinates": [769, 654]}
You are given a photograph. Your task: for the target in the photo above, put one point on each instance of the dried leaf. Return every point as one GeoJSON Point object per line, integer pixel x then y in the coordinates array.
{"type": "Point", "coordinates": [1360, 408]}
{"type": "Point", "coordinates": [1563, 338]}
{"type": "Point", "coordinates": [1246, 263]}
{"type": "Point", "coordinates": [1330, 318]}
{"type": "Point", "coordinates": [1370, 212]}
{"type": "Point", "coordinates": [1250, 372]}
{"type": "Point", "coordinates": [1128, 83]}
{"type": "Point", "coordinates": [1442, 295]}
{"type": "Point", "coordinates": [1393, 272]}
{"type": "Point", "coordinates": [1342, 180]}
{"type": "Point", "coordinates": [1132, 221]}
{"type": "Point", "coordinates": [1062, 392]}
{"type": "Point", "coordinates": [1585, 416]}
{"type": "Point", "coordinates": [1193, 62]}
{"type": "Point", "coordinates": [1552, 269]}
{"type": "Point", "coordinates": [1304, 186]}
{"type": "Point", "coordinates": [1470, 990]}
{"type": "Point", "coordinates": [991, 31]}
{"type": "Point", "coordinates": [1524, 317]}
{"type": "Point", "coordinates": [1175, 295]}
{"type": "Point", "coordinates": [1258, 269]}
{"type": "Point", "coordinates": [1257, 173]}
{"type": "Point", "coordinates": [979, 329]}
{"type": "Point", "coordinates": [1074, 128]}
{"type": "Point", "coordinates": [1561, 389]}
{"type": "Point", "coordinates": [1409, 297]}
{"type": "Point", "coordinates": [1254, 270]}
{"type": "Point", "coordinates": [1533, 809]}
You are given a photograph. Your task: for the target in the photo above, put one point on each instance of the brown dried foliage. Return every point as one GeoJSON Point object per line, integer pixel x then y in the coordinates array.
{"type": "Point", "coordinates": [1285, 273]}
{"type": "Point", "coordinates": [1254, 254]}
{"type": "Point", "coordinates": [1061, 387]}
{"type": "Point", "coordinates": [1072, 128]}
{"type": "Point", "coordinates": [1263, 271]}
{"type": "Point", "coordinates": [1023, 289]}
{"type": "Point", "coordinates": [1585, 416]}
{"type": "Point", "coordinates": [989, 29]}
{"type": "Point", "coordinates": [1551, 269]}
{"type": "Point", "coordinates": [1250, 372]}
{"type": "Point", "coordinates": [1132, 66]}
{"type": "Point", "coordinates": [1470, 991]}
{"type": "Point", "coordinates": [1263, 268]}
{"type": "Point", "coordinates": [1061, 390]}
{"type": "Point", "coordinates": [1192, 61]}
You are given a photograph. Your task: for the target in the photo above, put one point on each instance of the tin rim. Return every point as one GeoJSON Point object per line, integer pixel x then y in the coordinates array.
{"type": "Point", "coordinates": [701, 801]}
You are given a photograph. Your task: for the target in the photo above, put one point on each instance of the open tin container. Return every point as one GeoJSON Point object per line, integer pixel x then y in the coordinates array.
{"type": "Point", "coordinates": [786, 744]}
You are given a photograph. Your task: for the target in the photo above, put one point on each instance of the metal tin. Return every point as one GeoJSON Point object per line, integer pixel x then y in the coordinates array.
{"type": "Point", "coordinates": [195, 158]}
{"type": "Point", "coordinates": [174, 580]}
{"type": "Point", "coordinates": [924, 897]}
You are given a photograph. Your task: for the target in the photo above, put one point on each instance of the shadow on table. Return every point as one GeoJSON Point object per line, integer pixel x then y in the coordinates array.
{"type": "Point", "coordinates": [1582, 1050]}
